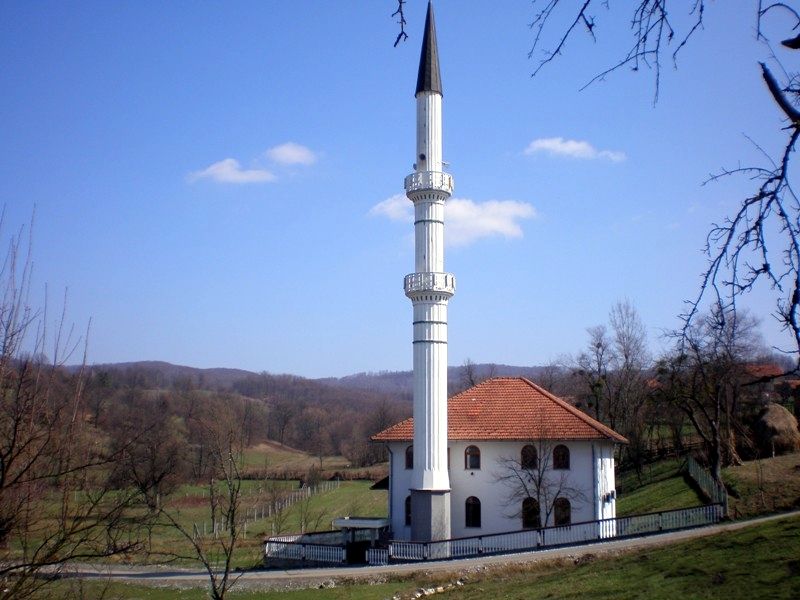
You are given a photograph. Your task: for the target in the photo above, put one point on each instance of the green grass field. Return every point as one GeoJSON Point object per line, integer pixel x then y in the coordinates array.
{"type": "Point", "coordinates": [662, 487]}
{"type": "Point", "coordinates": [756, 487]}
{"type": "Point", "coordinates": [761, 561]}
{"type": "Point", "coordinates": [190, 506]}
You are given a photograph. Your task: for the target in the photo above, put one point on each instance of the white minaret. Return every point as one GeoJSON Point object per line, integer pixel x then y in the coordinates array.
{"type": "Point", "coordinates": [429, 289]}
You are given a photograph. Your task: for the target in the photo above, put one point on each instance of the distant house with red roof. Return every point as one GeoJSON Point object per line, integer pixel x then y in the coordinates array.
{"type": "Point", "coordinates": [500, 433]}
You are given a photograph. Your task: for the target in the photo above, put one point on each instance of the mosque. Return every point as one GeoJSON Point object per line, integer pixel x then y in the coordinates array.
{"type": "Point", "coordinates": [505, 455]}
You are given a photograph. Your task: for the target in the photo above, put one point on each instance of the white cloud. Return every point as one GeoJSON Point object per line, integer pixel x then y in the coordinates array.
{"type": "Point", "coordinates": [291, 153]}
{"type": "Point", "coordinates": [396, 208]}
{"type": "Point", "coordinates": [466, 220]}
{"type": "Point", "coordinates": [229, 170]}
{"type": "Point", "coordinates": [558, 146]}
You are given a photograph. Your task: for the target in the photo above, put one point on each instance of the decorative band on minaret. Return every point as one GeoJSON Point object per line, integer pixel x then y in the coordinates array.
{"type": "Point", "coordinates": [429, 289]}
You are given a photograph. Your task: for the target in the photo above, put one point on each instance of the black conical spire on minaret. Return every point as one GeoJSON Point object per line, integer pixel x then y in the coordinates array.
{"type": "Point", "coordinates": [428, 78]}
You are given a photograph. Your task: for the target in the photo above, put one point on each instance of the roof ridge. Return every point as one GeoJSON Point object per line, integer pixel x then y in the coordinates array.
{"type": "Point", "coordinates": [495, 396]}
{"type": "Point", "coordinates": [592, 422]}
{"type": "Point", "coordinates": [484, 382]}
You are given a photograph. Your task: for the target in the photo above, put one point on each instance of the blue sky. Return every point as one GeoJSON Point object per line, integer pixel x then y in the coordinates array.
{"type": "Point", "coordinates": [213, 182]}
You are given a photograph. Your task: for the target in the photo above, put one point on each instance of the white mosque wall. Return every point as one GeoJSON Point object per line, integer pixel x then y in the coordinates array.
{"type": "Point", "coordinates": [591, 471]}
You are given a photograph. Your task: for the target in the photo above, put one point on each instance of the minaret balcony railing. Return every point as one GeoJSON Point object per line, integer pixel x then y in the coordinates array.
{"type": "Point", "coordinates": [440, 283]}
{"type": "Point", "coordinates": [429, 180]}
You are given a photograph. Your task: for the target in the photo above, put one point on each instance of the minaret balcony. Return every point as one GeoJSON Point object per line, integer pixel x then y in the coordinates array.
{"type": "Point", "coordinates": [429, 180]}
{"type": "Point", "coordinates": [437, 283]}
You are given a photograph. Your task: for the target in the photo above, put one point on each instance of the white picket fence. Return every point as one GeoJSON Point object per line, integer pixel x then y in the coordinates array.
{"type": "Point", "coordinates": [378, 556]}
{"type": "Point", "coordinates": [578, 533]}
{"type": "Point", "coordinates": [299, 551]}
{"type": "Point", "coordinates": [291, 546]}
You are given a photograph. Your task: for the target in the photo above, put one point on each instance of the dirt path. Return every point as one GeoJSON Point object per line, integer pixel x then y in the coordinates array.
{"type": "Point", "coordinates": [304, 578]}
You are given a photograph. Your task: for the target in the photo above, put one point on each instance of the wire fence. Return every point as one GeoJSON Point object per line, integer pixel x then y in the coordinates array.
{"type": "Point", "coordinates": [264, 509]}
{"type": "Point", "coordinates": [715, 491]}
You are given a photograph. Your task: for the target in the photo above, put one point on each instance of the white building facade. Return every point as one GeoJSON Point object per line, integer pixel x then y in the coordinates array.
{"type": "Point", "coordinates": [502, 431]}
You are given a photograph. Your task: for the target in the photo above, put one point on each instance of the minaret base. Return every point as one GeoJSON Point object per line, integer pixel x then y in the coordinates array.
{"type": "Point", "coordinates": [430, 517]}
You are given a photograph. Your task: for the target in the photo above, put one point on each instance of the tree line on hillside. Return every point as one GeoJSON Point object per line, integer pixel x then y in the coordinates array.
{"type": "Point", "coordinates": [89, 467]}
{"type": "Point", "coordinates": [710, 391]}
{"type": "Point", "coordinates": [82, 480]}
{"type": "Point", "coordinates": [90, 458]}
{"type": "Point", "coordinates": [301, 413]}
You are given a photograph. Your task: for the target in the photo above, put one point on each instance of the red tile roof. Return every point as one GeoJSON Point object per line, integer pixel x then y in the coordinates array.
{"type": "Point", "coordinates": [764, 370]}
{"type": "Point", "coordinates": [509, 408]}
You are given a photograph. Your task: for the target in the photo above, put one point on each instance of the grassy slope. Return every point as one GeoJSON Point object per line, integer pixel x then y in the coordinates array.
{"type": "Point", "coordinates": [272, 455]}
{"type": "Point", "coordinates": [754, 563]}
{"type": "Point", "coordinates": [762, 561]}
{"type": "Point", "coordinates": [350, 499]}
{"type": "Point", "coordinates": [662, 487]}
{"type": "Point", "coordinates": [761, 486]}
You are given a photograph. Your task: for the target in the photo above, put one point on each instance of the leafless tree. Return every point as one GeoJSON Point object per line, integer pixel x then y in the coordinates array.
{"type": "Point", "coordinates": [593, 365]}
{"type": "Point", "coordinates": [312, 515]}
{"type": "Point", "coordinates": [614, 370]}
{"type": "Point", "coordinates": [356, 447]}
{"type": "Point", "coordinates": [276, 501]}
{"type": "Point", "coordinates": [553, 377]}
{"type": "Point", "coordinates": [152, 449]}
{"type": "Point", "coordinates": [313, 424]}
{"type": "Point", "coordinates": [704, 378]}
{"type": "Point", "coordinates": [472, 374]}
{"type": "Point", "coordinates": [401, 21]}
{"type": "Point", "coordinates": [531, 474]}
{"type": "Point", "coordinates": [215, 552]}
{"type": "Point", "coordinates": [629, 377]}
{"type": "Point", "coordinates": [55, 504]}
{"type": "Point", "coordinates": [613, 366]}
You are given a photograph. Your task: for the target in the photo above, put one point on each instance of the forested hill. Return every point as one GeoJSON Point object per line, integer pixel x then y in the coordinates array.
{"type": "Point", "coordinates": [394, 385]}
{"type": "Point", "coordinates": [400, 382]}
{"type": "Point", "coordinates": [261, 386]}
{"type": "Point", "coordinates": [310, 415]}
{"type": "Point", "coordinates": [160, 374]}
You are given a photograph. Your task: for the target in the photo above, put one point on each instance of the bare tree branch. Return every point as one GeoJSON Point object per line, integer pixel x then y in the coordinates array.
{"type": "Point", "coordinates": [401, 20]}
{"type": "Point", "coordinates": [650, 26]}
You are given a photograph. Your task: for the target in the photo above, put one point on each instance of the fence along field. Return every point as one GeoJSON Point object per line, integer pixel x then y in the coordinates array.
{"type": "Point", "coordinates": [515, 541]}
{"type": "Point", "coordinates": [287, 512]}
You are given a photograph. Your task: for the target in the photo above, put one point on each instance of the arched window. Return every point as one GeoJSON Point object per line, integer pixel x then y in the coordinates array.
{"type": "Point", "coordinates": [529, 457]}
{"type": "Point", "coordinates": [562, 511]}
{"type": "Point", "coordinates": [410, 457]}
{"type": "Point", "coordinates": [408, 510]}
{"type": "Point", "coordinates": [472, 458]}
{"type": "Point", "coordinates": [561, 457]}
{"type": "Point", "coordinates": [531, 515]}
{"type": "Point", "coordinates": [472, 512]}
